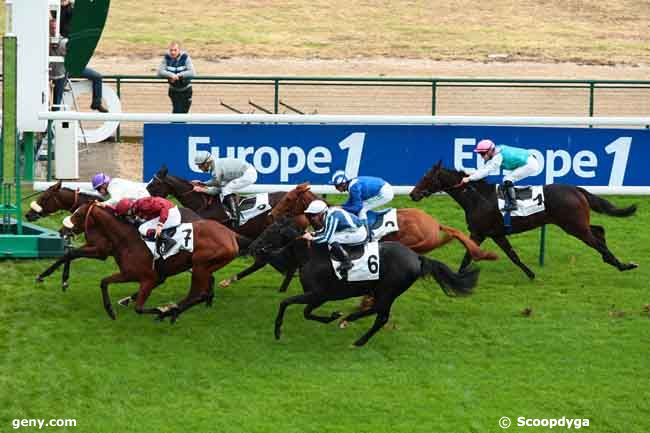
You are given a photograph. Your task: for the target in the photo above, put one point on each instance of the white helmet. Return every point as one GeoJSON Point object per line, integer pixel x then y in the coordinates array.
{"type": "Point", "coordinates": [202, 156]}
{"type": "Point", "coordinates": [316, 207]}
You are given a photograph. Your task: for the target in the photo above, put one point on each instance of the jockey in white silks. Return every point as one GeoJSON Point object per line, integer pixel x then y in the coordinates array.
{"type": "Point", "coordinates": [229, 175]}
{"type": "Point", "coordinates": [114, 190]}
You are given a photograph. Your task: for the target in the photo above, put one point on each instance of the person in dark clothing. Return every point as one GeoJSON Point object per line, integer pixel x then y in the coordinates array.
{"type": "Point", "coordinates": [177, 67]}
{"type": "Point", "coordinates": [65, 27]}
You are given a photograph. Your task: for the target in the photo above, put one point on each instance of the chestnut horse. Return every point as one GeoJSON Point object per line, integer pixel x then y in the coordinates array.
{"type": "Point", "coordinates": [566, 206]}
{"type": "Point", "coordinates": [418, 230]}
{"type": "Point", "coordinates": [106, 235]}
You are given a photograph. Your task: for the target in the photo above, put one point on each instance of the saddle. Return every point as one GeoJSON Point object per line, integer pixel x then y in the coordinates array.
{"type": "Point", "coordinates": [355, 251]}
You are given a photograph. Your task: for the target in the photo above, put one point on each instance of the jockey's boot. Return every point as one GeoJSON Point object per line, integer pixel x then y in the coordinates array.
{"type": "Point", "coordinates": [509, 196]}
{"type": "Point", "coordinates": [165, 243]}
{"type": "Point", "coordinates": [339, 253]}
{"type": "Point", "coordinates": [232, 208]}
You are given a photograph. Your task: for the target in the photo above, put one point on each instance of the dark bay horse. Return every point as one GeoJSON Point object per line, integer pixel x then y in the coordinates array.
{"type": "Point", "coordinates": [106, 235]}
{"type": "Point", "coordinates": [566, 206]}
{"type": "Point", "coordinates": [399, 268]}
{"type": "Point", "coordinates": [163, 184]}
{"type": "Point", "coordinates": [417, 230]}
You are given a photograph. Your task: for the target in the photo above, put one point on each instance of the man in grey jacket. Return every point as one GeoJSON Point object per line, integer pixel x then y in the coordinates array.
{"type": "Point", "coordinates": [177, 67]}
{"type": "Point", "coordinates": [229, 175]}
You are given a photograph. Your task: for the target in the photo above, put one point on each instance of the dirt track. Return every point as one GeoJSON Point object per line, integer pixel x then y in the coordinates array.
{"type": "Point", "coordinates": [125, 159]}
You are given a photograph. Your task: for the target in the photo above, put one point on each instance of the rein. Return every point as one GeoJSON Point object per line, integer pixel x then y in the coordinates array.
{"type": "Point", "coordinates": [90, 209]}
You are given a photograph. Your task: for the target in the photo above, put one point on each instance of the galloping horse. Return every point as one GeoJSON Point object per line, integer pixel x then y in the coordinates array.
{"type": "Point", "coordinates": [417, 230]}
{"type": "Point", "coordinates": [54, 199]}
{"type": "Point", "coordinates": [106, 235]}
{"type": "Point", "coordinates": [399, 268]}
{"type": "Point", "coordinates": [566, 206]}
{"type": "Point", "coordinates": [164, 184]}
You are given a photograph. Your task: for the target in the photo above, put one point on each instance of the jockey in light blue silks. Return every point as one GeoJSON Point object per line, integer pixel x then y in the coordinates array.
{"type": "Point", "coordinates": [366, 192]}
{"type": "Point", "coordinates": [520, 161]}
{"type": "Point", "coordinates": [338, 227]}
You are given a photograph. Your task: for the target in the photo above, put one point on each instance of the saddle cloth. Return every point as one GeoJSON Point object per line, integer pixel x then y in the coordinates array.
{"type": "Point", "coordinates": [530, 200]}
{"type": "Point", "coordinates": [365, 266]}
{"type": "Point", "coordinates": [383, 222]}
{"type": "Point", "coordinates": [250, 207]}
{"type": "Point", "coordinates": [184, 237]}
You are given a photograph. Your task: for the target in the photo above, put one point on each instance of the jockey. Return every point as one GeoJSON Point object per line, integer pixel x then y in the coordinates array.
{"type": "Point", "coordinates": [229, 175]}
{"type": "Point", "coordinates": [520, 162]}
{"type": "Point", "coordinates": [160, 214]}
{"type": "Point", "coordinates": [366, 192]}
{"type": "Point", "coordinates": [337, 226]}
{"type": "Point", "coordinates": [114, 190]}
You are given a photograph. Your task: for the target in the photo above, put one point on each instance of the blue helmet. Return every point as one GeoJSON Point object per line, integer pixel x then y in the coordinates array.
{"type": "Point", "coordinates": [339, 178]}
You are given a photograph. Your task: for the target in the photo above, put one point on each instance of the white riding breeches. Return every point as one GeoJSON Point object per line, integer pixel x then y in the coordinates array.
{"type": "Point", "coordinates": [530, 168]}
{"type": "Point", "coordinates": [385, 195]}
{"type": "Point", "coordinates": [248, 178]}
{"type": "Point", "coordinates": [173, 220]}
{"type": "Point", "coordinates": [350, 236]}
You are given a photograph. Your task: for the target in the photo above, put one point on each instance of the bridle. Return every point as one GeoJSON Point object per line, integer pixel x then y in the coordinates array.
{"type": "Point", "coordinates": [61, 205]}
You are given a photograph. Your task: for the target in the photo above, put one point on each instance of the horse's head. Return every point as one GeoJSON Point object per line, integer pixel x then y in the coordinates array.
{"type": "Point", "coordinates": [159, 185]}
{"type": "Point", "coordinates": [75, 223]}
{"type": "Point", "coordinates": [294, 202]}
{"type": "Point", "coordinates": [52, 200]}
{"type": "Point", "coordinates": [276, 236]}
{"type": "Point", "coordinates": [435, 180]}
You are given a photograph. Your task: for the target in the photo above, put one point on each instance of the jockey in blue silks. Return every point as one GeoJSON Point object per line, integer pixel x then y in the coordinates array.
{"type": "Point", "coordinates": [520, 162]}
{"type": "Point", "coordinates": [337, 227]}
{"type": "Point", "coordinates": [366, 192]}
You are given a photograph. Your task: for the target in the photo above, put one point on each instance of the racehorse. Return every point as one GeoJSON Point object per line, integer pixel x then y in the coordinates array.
{"type": "Point", "coordinates": [566, 206]}
{"type": "Point", "coordinates": [54, 199]}
{"type": "Point", "coordinates": [106, 235]}
{"type": "Point", "coordinates": [417, 230]}
{"type": "Point", "coordinates": [399, 268]}
{"type": "Point", "coordinates": [163, 184]}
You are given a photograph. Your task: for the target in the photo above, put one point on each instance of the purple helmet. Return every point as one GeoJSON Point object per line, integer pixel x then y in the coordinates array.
{"type": "Point", "coordinates": [100, 179]}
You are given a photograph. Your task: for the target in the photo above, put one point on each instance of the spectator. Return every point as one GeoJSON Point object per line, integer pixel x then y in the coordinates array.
{"type": "Point", "coordinates": [57, 69]}
{"type": "Point", "coordinates": [65, 26]}
{"type": "Point", "coordinates": [177, 67]}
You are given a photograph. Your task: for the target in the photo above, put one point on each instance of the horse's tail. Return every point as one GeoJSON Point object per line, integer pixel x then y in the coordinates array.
{"type": "Point", "coordinates": [451, 283]}
{"type": "Point", "coordinates": [472, 247]}
{"type": "Point", "coordinates": [601, 205]}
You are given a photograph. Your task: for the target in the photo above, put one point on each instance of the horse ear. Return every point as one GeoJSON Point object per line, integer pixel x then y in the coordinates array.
{"type": "Point", "coordinates": [303, 186]}
{"type": "Point", "coordinates": [56, 186]}
{"type": "Point", "coordinates": [438, 165]}
{"type": "Point", "coordinates": [163, 171]}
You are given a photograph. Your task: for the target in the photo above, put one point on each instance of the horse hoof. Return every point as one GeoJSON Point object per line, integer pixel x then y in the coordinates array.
{"type": "Point", "coordinates": [39, 279]}
{"type": "Point", "coordinates": [359, 343]}
{"type": "Point", "coordinates": [225, 283]}
{"type": "Point", "coordinates": [110, 312]}
{"type": "Point", "coordinates": [277, 333]}
{"type": "Point", "coordinates": [344, 324]}
{"type": "Point", "coordinates": [526, 312]}
{"type": "Point", "coordinates": [65, 286]}
{"type": "Point", "coordinates": [336, 314]}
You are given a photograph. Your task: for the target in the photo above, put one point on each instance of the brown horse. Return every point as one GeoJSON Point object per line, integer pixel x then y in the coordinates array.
{"type": "Point", "coordinates": [566, 206]}
{"type": "Point", "coordinates": [417, 230]}
{"type": "Point", "coordinates": [106, 235]}
{"type": "Point", "coordinates": [163, 184]}
{"type": "Point", "coordinates": [56, 198]}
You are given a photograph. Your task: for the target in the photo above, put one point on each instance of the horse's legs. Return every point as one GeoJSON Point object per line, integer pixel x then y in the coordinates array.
{"type": "Point", "coordinates": [210, 297]}
{"type": "Point", "coordinates": [467, 259]}
{"type": "Point", "coordinates": [503, 242]}
{"type": "Point", "coordinates": [287, 279]}
{"type": "Point", "coordinates": [382, 308]}
{"type": "Point", "coordinates": [115, 278]}
{"type": "Point", "coordinates": [306, 298]}
{"type": "Point", "coordinates": [357, 315]}
{"type": "Point", "coordinates": [258, 264]}
{"type": "Point", "coordinates": [594, 236]}
{"type": "Point", "coordinates": [323, 319]}
{"type": "Point", "coordinates": [143, 294]}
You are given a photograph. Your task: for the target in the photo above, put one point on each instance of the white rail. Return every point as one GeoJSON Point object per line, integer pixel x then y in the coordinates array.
{"type": "Point", "coordinates": [347, 120]}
